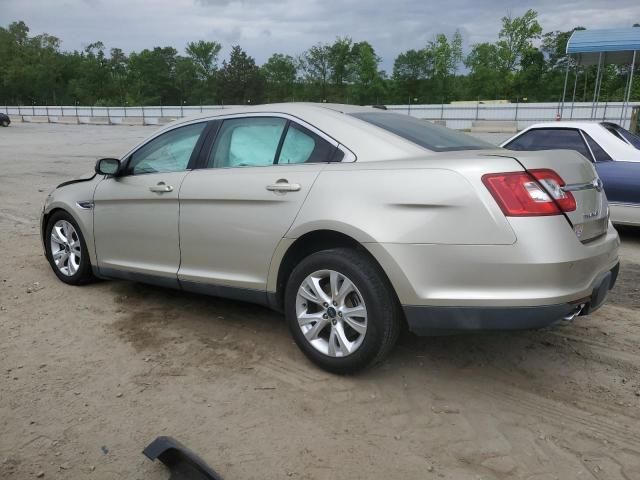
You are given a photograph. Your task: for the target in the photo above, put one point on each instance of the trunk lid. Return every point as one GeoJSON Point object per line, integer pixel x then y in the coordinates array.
{"type": "Point", "coordinates": [590, 219]}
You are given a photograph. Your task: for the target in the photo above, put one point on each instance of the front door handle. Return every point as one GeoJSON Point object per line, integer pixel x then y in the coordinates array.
{"type": "Point", "coordinates": [283, 186]}
{"type": "Point", "coordinates": [161, 187]}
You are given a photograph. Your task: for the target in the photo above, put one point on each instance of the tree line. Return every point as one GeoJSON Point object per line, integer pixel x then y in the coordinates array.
{"type": "Point", "coordinates": [523, 64]}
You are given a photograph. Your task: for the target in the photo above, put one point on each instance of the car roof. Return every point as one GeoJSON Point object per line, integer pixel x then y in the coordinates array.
{"type": "Point", "coordinates": [292, 108]}
{"type": "Point", "coordinates": [365, 140]}
{"type": "Point", "coordinates": [566, 124]}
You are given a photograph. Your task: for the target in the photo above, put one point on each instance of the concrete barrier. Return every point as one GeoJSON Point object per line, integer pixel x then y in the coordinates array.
{"type": "Point", "coordinates": [73, 120]}
{"type": "Point", "coordinates": [98, 121]}
{"type": "Point", "coordinates": [132, 121]}
{"type": "Point", "coordinates": [494, 126]}
{"type": "Point", "coordinates": [151, 120]}
{"type": "Point", "coordinates": [35, 119]}
{"type": "Point", "coordinates": [15, 118]}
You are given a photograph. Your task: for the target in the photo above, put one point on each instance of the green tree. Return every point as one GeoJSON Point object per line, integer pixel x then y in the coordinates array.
{"type": "Point", "coordinates": [280, 72]}
{"type": "Point", "coordinates": [368, 83]}
{"type": "Point", "coordinates": [152, 77]}
{"type": "Point", "coordinates": [240, 79]}
{"type": "Point", "coordinates": [484, 79]}
{"type": "Point", "coordinates": [516, 38]}
{"type": "Point", "coordinates": [446, 55]}
{"type": "Point", "coordinates": [204, 55]}
{"type": "Point", "coordinates": [411, 69]}
{"type": "Point", "coordinates": [316, 65]}
{"type": "Point", "coordinates": [341, 64]}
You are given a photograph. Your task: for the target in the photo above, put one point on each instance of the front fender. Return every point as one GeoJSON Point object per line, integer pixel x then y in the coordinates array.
{"type": "Point", "coordinates": [77, 200]}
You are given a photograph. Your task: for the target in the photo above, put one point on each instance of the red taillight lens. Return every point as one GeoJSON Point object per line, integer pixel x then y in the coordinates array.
{"type": "Point", "coordinates": [553, 184]}
{"type": "Point", "coordinates": [519, 195]}
{"type": "Point", "coordinates": [527, 194]}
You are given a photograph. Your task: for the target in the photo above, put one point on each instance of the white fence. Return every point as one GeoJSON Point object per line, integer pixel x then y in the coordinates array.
{"type": "Point", "coordinates": [524, 114]}
{"type": "Point", "coordinates": [458, 116]}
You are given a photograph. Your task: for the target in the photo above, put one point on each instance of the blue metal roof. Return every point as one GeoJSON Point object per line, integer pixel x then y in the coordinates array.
{"type": "Point", "coordinates": [606, 40]}
{"type": "Point", "coordinates": [587, 45]}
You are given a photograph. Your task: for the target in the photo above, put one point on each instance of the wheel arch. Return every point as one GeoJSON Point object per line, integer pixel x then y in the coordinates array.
{"type": "Point", "coordinates": [308, 244]}
{"type": "Point", "coordinates": [84, 224]}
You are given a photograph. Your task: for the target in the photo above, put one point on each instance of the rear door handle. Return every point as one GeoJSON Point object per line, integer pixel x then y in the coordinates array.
{"type": "Point", "coordinates": [161, 187]}
{"type": "Point", "coordinates": [283, 187]}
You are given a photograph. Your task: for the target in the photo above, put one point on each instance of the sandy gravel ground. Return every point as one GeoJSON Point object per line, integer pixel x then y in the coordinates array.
{"type": "Point", "coordinates": [90, 375]}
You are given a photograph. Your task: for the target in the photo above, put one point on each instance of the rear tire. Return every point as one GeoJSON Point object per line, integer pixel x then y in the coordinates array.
{"type": "Point", "coordinates": [67, 247]}
{"type": "Point", "coordinates": [341, 310]}
{"type": "Point", "coordinates": [5, 123]}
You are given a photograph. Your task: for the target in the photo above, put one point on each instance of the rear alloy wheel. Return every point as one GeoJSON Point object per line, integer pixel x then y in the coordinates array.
{"type": "Point", "coordinates": [341, 310]}
{"type": "Point", "coordinates": [66, 250]}
{"type": "Point", "coordinates": [331, 313]}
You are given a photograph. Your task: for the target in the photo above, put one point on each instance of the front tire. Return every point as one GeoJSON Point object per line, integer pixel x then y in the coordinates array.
{"type": "Point", "coordinates": [66, 250]}
{"type": "Point", "coordinates": [5, 123]}
{"type": "Point", "coordinates": [341, 310]}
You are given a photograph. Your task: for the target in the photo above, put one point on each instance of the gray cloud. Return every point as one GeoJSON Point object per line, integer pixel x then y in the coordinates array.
{"type": "Point", "coordinates": [263, 27]}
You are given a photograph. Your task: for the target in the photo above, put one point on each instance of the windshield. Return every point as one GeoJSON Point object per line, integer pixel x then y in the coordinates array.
{"type": "Point", "coordinates": [422, 132]}
{"type": "Point", "coordinates": [623, 134]}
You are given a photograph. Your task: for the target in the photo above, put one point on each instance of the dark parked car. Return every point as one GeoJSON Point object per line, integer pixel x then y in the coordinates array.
{"type": "Point", "coordinates": [5, 121]}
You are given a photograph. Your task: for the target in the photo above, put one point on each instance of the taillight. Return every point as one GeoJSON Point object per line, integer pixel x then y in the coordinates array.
{"type": "Point", "coordinates": [527, 194]}
{"type": "Point", "coordinates": [553, 183]}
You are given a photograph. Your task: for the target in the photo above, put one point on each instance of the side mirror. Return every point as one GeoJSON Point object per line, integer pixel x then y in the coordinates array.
{"type": "Point", "coordinates": [107, 166]}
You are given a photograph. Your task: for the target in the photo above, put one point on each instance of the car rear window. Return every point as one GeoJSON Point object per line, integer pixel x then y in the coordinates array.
{"type": "Point", "coordinates": [423, 133]}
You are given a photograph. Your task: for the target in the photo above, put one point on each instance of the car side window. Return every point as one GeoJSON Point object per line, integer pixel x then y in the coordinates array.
{"type": "Point", "coordinates": [247, 142]}
{"type": "Point", "coordinates": [302, 145]}
{"type": "Point", "coordinates": [169, 152]}
{"type": "Point", "coordinates": [550, 139]}
{"type": "Point", "coordinates": [598, 152]}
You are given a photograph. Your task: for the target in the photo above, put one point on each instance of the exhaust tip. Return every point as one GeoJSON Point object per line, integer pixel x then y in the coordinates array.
{"type": "Point", "coordinates": [574, 313]}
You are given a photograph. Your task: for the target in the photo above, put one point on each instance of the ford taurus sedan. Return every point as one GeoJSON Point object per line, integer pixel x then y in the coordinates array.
{"type": "Point", "coordinates": [353, 221]}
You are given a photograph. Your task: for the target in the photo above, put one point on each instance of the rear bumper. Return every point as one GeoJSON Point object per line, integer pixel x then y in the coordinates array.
{"type": "Point", "coordinates": [434, 320]}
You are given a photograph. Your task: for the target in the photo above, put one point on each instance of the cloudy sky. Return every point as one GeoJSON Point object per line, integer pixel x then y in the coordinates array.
{"type": "Point", "coordinates": [262, 27]}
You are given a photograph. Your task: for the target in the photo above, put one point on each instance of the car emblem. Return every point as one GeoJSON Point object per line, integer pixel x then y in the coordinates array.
{"type": "Point", "coordinates": [591, 214]}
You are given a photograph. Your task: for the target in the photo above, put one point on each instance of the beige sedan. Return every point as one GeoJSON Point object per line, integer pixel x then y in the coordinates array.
{"type": "Point", "coordinates": [353, 221]}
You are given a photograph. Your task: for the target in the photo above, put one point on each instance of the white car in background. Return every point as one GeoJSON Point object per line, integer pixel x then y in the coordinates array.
{"type": "Point", "coordinates": [598, 142]}
{"type": "Point", "coordinates": [614, 151]}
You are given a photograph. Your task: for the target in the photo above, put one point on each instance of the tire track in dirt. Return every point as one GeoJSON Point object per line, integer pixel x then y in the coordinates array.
{"type": "Point", "coordinates": [599, 427]}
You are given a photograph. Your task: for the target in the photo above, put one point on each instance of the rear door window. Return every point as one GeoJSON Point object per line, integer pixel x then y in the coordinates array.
{"type": "Point", "coordinates": [303, 146]}
{"type": "Point", "coordinates": [247, 142]}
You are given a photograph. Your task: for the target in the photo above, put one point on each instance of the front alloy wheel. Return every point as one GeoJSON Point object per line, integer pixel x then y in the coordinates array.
{"type": "Point", "coordinates": [331, 313]}
{"type": "Point", "coordinates": [65, 247]}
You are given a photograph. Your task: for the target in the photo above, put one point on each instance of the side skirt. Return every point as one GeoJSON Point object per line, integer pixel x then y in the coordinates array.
{"type": "Point", "coordinates": [260, 297]}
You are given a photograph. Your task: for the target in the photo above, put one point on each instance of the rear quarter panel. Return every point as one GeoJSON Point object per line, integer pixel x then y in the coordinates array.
{"type": "Point", "coordinates": [420, 201]}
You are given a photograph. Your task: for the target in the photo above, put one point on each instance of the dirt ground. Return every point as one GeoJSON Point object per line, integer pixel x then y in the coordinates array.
{"type": "Point", "coordinates": [90, 375]}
